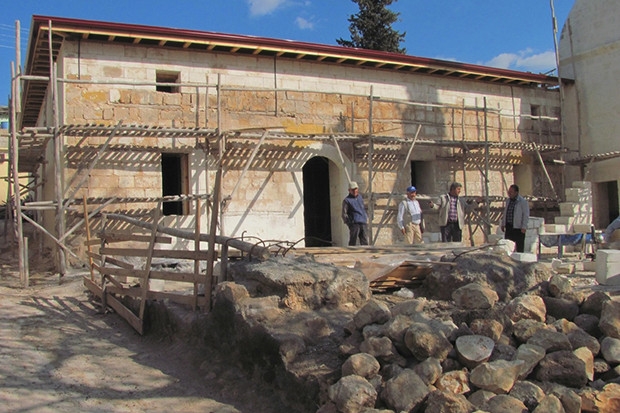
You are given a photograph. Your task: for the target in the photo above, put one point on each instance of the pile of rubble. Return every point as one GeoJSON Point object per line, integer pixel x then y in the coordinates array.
{"type": "Point", "coordinates": [490, 334]}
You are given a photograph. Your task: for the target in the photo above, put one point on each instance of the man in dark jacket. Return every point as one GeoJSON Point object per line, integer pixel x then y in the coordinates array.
{"type": "Point", "coordinates": [354, 215]}
{"type": "Point", "coordinates": [515, 218]}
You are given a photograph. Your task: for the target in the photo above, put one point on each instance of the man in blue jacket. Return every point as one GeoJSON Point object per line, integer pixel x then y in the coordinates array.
{"type": "Point", "coordinates": [515, 218]}
{"type": "Point", "coordinates": [354, 215]}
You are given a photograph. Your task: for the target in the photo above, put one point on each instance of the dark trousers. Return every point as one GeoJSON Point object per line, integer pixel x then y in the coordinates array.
{"type": "Point", "coordinates": [451, 232]}
{"type": "Point", "coordinates": [515, 234]}
{"type": "Point", "coordinates": [358, 231]}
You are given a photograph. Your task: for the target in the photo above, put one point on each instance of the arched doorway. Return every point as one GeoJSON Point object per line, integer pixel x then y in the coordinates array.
{"type": "Point", "coordinates": [317, 216]}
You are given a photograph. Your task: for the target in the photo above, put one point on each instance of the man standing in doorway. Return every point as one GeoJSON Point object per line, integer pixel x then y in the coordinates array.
{"type": "Point", "coordinates": [515, 218]}
{"type": "Point", "coordinates": [452, 211]}
{"type": "Point", "coordinates": [354, 216]}
{"type": "Point", "coordinates": [409, 218]}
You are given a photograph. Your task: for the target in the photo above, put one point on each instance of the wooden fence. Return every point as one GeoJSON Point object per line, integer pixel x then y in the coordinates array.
{"type": "Point", "coordinates": [123, 264]}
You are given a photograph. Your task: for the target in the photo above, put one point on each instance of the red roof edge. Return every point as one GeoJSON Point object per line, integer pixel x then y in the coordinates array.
{"type": "Point", "coordinates": [307, 47]}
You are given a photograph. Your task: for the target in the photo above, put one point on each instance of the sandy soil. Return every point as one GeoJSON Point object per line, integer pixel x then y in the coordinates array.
{"type": "Point", "coordinates": [59, 353]}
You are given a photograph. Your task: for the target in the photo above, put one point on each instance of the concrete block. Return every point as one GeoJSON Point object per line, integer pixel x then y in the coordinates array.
{"type": "Point", "coordinates": [583, 218]}
{"type": "Point", "coordinates": [555, 229]}
{"type": "Point", "coordinates": [535, 222]}
{"type": "Point", "coordinates": [562, 267]}
{"type": "Point", "coordinates": [524, 257]}
{"type": "Point", "coordinates": [572, 209]}
{"type": "Point", "coordinates": [578, 195]}
{"type": "Point", "coordinates": [589, 266]}
{"type": "Point", "coordinates": [582, 184]}
{"type": "Point", "coordinates": [582, 228]}
{"type": "Point", "coordinates": [608, 267]}
{"type": "Point", "coordinates": [564, 220]}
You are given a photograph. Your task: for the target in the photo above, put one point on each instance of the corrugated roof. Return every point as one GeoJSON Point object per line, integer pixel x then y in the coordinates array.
{"type": "Point", "coordinates": [38, 56]}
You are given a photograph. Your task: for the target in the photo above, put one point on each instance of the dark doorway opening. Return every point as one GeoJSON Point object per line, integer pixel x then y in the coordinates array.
{"type": "Point", "coordinates": [422, 174]}
{"type": "Point", "coordinates": [173, 179]}
{"type": "Point", "coordinates": [317, 216]}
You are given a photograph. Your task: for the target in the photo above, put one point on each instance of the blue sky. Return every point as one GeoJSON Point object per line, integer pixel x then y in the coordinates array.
{"type": "Point", "coordinates": [501, 33]}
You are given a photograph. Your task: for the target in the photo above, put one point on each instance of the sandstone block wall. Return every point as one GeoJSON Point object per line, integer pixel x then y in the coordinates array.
{"type": "Point", "coordinates": [295, 97]}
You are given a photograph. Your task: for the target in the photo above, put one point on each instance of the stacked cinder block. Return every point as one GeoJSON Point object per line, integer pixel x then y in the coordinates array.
{"type": "Point", "coordinates": [576, 213]}
{"type": "Point", "coordinates": [531, 235]}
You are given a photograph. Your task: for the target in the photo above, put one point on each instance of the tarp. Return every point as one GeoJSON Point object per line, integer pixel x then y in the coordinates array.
{"type": "Point", "coordinates": [567, 239]}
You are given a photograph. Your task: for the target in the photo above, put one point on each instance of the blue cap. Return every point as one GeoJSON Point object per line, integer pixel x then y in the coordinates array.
{"type": "Point", "coordinates": [411, 189]}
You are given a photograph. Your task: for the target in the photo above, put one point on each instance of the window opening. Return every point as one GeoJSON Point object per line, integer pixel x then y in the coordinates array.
{"type": "Point", "coordinates": [167, 78]}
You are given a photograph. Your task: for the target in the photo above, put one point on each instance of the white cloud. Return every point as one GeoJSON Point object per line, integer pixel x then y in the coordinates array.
{"type": "Point", "coordinates": [263, 7]}
{"type": "Point", "coordinates": [304, 24]}
{"type": "Point", "coordinates": [525, 60]}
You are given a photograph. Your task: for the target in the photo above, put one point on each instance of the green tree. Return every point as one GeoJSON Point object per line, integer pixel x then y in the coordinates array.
{"type": "Point", "coordinates": [371, 28]}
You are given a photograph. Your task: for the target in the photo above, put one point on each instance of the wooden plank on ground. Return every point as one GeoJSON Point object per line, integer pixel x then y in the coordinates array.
{"type": "Point", "coordinates": [133, 252]}
{"type": "Point", "coordinates": [111, 237]}
{"type": "Point", "coordinates": [92, 287]}
{"type": "Point", "coordinates": [126, 313]}
{"type": "Point", "coordinates": [158, 275]}
{"type": "Point", "coordinates": [136, 292]}
{"type": "Point", "coordinates": [119, 263]}
{"type": "Point", "coordinates": [111, 260]}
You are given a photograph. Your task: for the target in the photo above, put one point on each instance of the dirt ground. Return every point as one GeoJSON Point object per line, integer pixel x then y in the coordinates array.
{"type": "Point", "coordinates": [59, 353]}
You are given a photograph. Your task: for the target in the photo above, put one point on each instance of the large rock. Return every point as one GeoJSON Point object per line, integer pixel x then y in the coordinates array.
{"type": "Point", "coordinates": [525, 328]}
{"type": "Point", "coordinates": [405, 392]}
{"type": "Point", "coordinates": [480, 397]}
{"type": "Point", "coordinates": [473, 350]}
{"type": "Point", "coordinates": [529, 306]}
{"type": "Point", "coordinates": [423, 341]}
{"type": "Point", "coordinates": [593, 304]}
{"type": "Point", "coordinates": [584, 354]}
{"type": "Point", "coordinates": [579, 338]}
{"type": "Point", "coordinates": [531, 355]}
{"type": "Point", "coordinates": [380, 347]}
{"type": "Point", "coordinates": [549, 404]}
{"type": "Point", "coordinates": [550, 340]}
{"type": "Point", "coordinates": [429, 370]}
{"type": "Point", "coordinates": [352, 394]}
{"type": "Point", "coordinates": [302, 283]}
{"type": "Point", "coordinates": [610, 350]}
{"type": "Point", "coordinates": [610, 319]}
{"type": "Point", "coordinates": [562, 367]}
{"type": "Point", "coordinates": [373, 312]}
{"type": "Point", "coordinates": [474, 296]}
{"type": "Point", "coordinates": [503, 403]}
{"type": "Point", "coordinates": [588, 323]}
{"type": "Point", "coordinates": [559, 285]}
{"type": "Point", "coordinates": [455, 381]}
{"type": "Point", "coordinates": [507, 277]}
{"type": "Point", "coordinates": [608, 400]}
{"type": "Point", "coordinates": [529, 393]}
{"type": "Point", "coordinates": [487, 327]}
{"type": "Point", "coordinates": [361, 364]}
{"type": "Point", "coordinates": [570, 400]}
{"type": "Point", "coordinates": [496, 376]}
{"type": "Point", "coordinates": [446, 402]}
{"type": "Point", "coordinates": [561, 308]}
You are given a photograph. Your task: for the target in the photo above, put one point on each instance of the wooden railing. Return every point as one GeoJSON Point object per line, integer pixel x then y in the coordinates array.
{"type": "Point", "coordinates": [124, 264]}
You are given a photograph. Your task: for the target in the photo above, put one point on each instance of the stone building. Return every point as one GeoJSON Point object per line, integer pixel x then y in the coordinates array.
{"type": "Point", "coordinates": [589, 55]}
{"type": "Point", "coordinates": [268, 132]}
